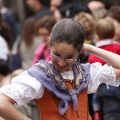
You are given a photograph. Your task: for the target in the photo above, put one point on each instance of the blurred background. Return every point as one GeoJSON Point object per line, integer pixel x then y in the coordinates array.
{"type": "Point", "coordinates": [22, 11]}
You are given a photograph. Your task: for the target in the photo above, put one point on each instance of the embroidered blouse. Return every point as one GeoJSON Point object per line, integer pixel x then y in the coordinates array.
{"type": "Point", "coordinates": [25, 87]}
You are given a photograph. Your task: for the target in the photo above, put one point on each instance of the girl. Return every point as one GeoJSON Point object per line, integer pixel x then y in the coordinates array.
{"type": "Point", "coordinates": [60, 87]}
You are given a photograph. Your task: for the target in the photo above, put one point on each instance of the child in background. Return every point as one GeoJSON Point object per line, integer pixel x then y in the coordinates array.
{"type": "Point", "coordinates": [104, 33]}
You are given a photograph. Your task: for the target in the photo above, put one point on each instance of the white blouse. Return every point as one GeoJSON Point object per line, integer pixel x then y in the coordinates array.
{"type": "Point", "coordinates": [24, 87]}
{"type": "Point", "coordinates": [4, 51]}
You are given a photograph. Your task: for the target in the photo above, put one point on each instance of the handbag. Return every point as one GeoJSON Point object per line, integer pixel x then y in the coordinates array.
{"type": "Point", "coordinates": [14, 58]}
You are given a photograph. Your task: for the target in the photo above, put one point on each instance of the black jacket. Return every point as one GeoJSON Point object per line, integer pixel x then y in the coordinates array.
{"type": "Point", "coordinates": [110, 100]}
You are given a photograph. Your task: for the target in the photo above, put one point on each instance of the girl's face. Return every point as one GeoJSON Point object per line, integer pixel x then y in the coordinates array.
{"type": "Point", "coordinates": [44, 34]}
{"type": "Point", "coordinates": [63, 56]}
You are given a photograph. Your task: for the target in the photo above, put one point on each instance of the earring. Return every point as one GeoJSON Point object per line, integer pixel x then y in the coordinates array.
{"type": "Point", "coordinates": [78, 58]}
{"type": "Point", "coordinates": [81, 56]}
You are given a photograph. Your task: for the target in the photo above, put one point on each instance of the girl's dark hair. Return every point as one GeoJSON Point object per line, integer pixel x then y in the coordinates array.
{"type": "Point", "coordinates": [68, 31]}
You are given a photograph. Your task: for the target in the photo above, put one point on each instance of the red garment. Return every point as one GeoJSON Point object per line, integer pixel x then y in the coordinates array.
{"type": "Point", "coordinates": [42, 52]}
{"type": "Point", "coordinates": [107, 45]}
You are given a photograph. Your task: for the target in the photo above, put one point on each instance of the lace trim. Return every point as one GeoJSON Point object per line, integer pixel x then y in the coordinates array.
{"type": "Point", "coordinates": [108, 76]}
{"type": "Point", "coordinates": [102, 74]}
{"type": "Point", "coordinates": [12, 93]}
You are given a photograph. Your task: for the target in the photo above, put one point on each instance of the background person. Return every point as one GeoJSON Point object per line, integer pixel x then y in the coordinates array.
{"type": "Point", "coordinates": [26, 43]}
{"type": "Point", "coordinates": [43, 28]}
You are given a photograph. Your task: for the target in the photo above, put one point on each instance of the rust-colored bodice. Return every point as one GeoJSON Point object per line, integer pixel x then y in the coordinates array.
{"type": "Point", "coordinates": [49, 109]}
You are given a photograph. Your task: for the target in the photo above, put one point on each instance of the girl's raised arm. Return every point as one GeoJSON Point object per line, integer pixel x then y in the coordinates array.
{"type": "Point", "coordinates": [111, 58]}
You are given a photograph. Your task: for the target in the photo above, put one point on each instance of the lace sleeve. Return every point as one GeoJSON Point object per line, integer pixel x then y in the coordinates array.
{"type": "Point", "coordinates": [23, 88]}
{"type": "Point", "coordinates": [101, 74]}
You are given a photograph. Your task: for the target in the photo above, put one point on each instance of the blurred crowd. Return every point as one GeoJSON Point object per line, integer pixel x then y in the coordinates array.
{"type": "Point", "coordinates": [23, 45]}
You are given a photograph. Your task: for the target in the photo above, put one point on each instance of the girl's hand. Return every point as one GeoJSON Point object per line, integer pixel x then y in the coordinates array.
{"type": "Point", "coordinates": [86, 48]}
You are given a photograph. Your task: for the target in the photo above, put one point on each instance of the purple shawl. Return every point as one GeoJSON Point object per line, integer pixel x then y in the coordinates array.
{"type": "Point", "coordinates": [53, 81]}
